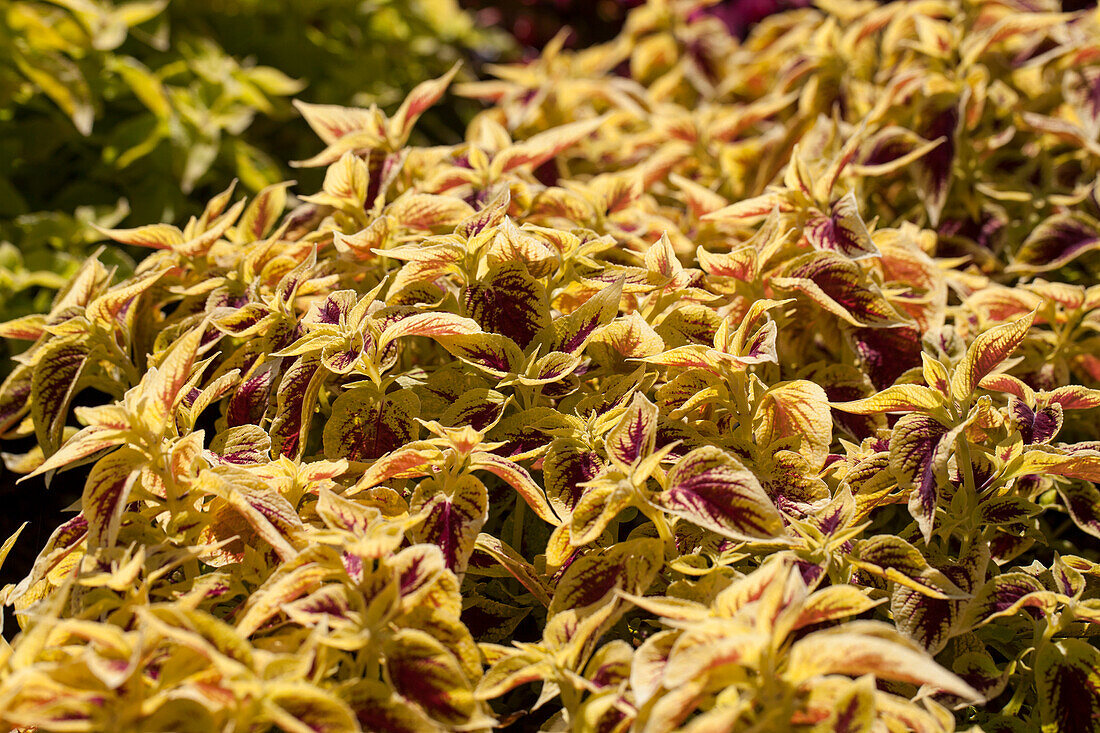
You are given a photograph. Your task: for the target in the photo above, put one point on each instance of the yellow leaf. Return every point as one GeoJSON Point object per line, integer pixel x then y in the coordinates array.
{"type": "Point", "coordinates": [987, 351]}
{"type": "Point", "coordinates": [798, 408]}
{"type": "Point", "coordinates": [896, 398]}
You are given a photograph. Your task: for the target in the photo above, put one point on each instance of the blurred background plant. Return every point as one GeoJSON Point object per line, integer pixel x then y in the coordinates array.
{"type": "Point", "coordinates": [534, 22]}
{"type": "Point", "coordinates": [117, 113]}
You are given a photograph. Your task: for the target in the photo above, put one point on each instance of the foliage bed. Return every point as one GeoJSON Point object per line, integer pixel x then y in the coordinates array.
{"type": "Point", "coordinates": [707, 385]}
{"type": "Point", "coordinates": [141, 110]}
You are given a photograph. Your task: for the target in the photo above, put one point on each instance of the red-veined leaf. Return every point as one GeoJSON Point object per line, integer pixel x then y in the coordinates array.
{"type": "Point", "coordinates": [711, 489]}
{"type": "Point", "coordinates": [988, 350]}
{"type": "Point", "coordinates": [510, 302]}
{"type": "Point", "coordinates": [364, 426]}
{"type": "Point", "coordinates": [452, 515]}
{"type": "Point", "coordinates": [1067, 678]}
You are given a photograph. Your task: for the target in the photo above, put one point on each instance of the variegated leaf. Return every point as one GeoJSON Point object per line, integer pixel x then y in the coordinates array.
{"type": "Point", "coordinates": [364, 426]}
{"type": "Point", "coordinates": [572, 331]}
{"type": "Point", "coordinates": [420, 668]}
{"type": "Point", "coordinates": [423, 96]}
{"type": "Point", "coordinates": [540, 148]}
{"type": "Point", "coordinates": [898, 561]}
{"type": "Point", "coordinates": [918, 457]}
{"type": "Point", "coordinates": [1082, 500]}
{"type": "Point", "coordinates": [377, 707]}
{"type": "Point", "coordinates": [799, 408]}
{"type": "Point", "coordinates": [1057, 241]}
{"type": "Point", "coordinates": [853, 653]}
{"type": "Point", "coordinates": [427, 211]}
{"type": "Point", "coordinates": [841, 230]}
{"type": "Point", "coordinates": [568, 464]}
{"type": "Point", "coordinates": [838, 286]}
{"type": "Point", "coordinates": [1067, 678]}
{"type": "Point", "coordinates": [634, 436]}
{"type": "Point", "coordinates": [297, 391]}
{"type": "Point", "coordinates": [1036, 426]}
{"type": "Point", "coordinates": [451, 517]}
{"type": "Point", "coordinates": [598, 506]}
{"type": "Point", "coordinates": [834, 602]}
{"type": "Point", "coordinates": [519, 479]}
{"type": "Point", "coordinates": [629, 566]}
{"type": "Point", "coordinates": [106, 493]}
{"type": "Point", "coordinates": [496, 354]}
{"type": "Point", "coordinates": [288, 583]}
{"type": "Point", "coordinates": [988, 350]}
{"type": "Point", "coordinates": [53, 385]}
{"type": "Point", "coordinates": [299, 706]}
{"type": "Point", "coordinates": [896, 398]}
{"type": "Point", "coordinates": [711, 489]}
{"type": "Point", "coordinates": [935, 171]}
{"type": "Point", "coordinates": [263, 211]}
{"type": "Point", "coordinates": [1006, 595]}
{"type": "Point", "coordinates": [433, 325]}
{"type": "Point", "coordinates": [510, 302]}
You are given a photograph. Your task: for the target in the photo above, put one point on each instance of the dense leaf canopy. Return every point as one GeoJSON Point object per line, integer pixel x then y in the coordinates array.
{"type": "Point", "coordinates": [705, 385]}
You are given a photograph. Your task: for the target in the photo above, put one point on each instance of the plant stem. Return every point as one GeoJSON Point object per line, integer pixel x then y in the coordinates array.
{"type": "Point", "coordinates": [517, 524]}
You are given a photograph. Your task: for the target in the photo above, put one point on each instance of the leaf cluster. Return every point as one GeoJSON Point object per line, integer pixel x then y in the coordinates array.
{"type": "Point", "coordinates": [692, 390]}
{"type": "Point", "coordinates": [150, 107]}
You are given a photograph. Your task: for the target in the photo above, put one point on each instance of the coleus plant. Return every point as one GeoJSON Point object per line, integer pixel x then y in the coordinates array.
{"type": "Point", "coordinates": [154, 105]}
{"type": "Point", "coordinates": [728, 398]}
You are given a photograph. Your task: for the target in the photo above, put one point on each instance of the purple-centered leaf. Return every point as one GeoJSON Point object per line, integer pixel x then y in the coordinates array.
{"type": "Point", "coordinates": [423, 670]}
{"type": "Point", "coordinates": [1057, 241]}
{"type": "Point", "coordinates": [15, 396]}
{"type": "Point", "coordinates": [934, 172]}
{"type": "Point", "coordinates": [106, 492]}
{"type": "Point", "coordinates": [887, 353]}
{"type": "Point", "coordinates": [250, 400]}
{"type": "Point", "coordinates": [1007, 510]}
{"type": "Point", "coordinates": [364, 426]}
{"type": "Point", "coordinates": [979, 671]}
{"type": "Point", "coordinates": [64, 540]}
{"type": "Point", "coordinates": [930, 622]}
{"type": "Point", "coordinates": [568, 464]}
{"type": "Point", "coordinates": [478, 408]}
{"type": "Point", "coordinates": [495, 353]}
{"type": "Point", "coordinates": [1067, 678]}
{"type": "Point", "coordinates": [296, 393]}
{"type": "Point", "coordinates": [1036, 426]}
{"type": "Point", "coordinates": [53, 385]}
{"type": "Point", "coordinates": [510, 302]}
{"type": "Point", "coordinates": [800, 410]}
{"type": "Point", "coordinates": [1082, 500]}
{"type": "Point", "coordinates": [452, 517]}
{"type": "Point", "coordinates": [914, 460]}
{"type": "Point", "coordinates": [789, 481]}
{"type": "Point", "coordinates": [635, 435]}
{"type": "Point", "coordinates": [841, 230]}
{"type": "Point", "coordinates": [333, 310]}
{"type": "Point", "coordinates": [572, 331]}
{"type": "Point", "coordinates": [839, 286]}
{"type": "Point", "coordinates": [629, 566]}
{"type": "Point", "coordinates": [711, 489]}
{"type": "Point", "coordinates": [1006, 594]}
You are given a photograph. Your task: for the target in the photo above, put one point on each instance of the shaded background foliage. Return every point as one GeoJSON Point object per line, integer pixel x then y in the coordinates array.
{"type": "Point", "coordinates": [116, 113]}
